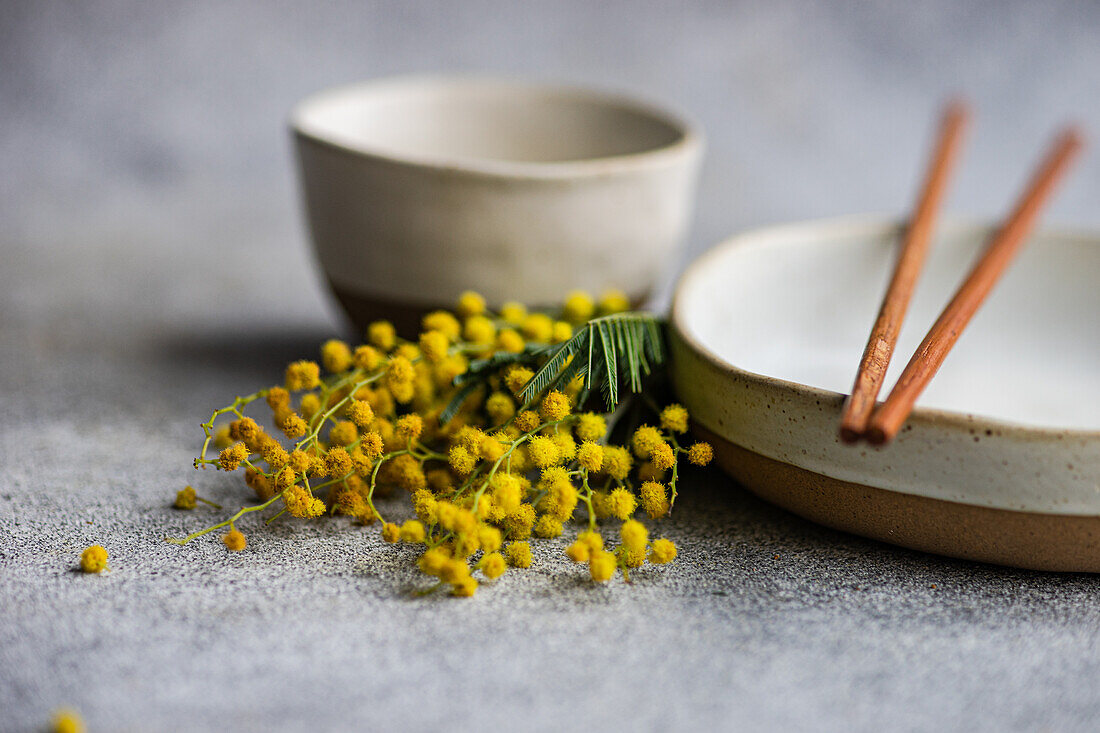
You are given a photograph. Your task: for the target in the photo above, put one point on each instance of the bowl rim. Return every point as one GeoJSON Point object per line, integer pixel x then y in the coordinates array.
{"type": "Point", "coordinates": [689, 143]}
{"type": "Point", "coordinates": [837, 226]}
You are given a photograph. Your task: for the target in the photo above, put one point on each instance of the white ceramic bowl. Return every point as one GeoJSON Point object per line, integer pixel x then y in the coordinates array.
{"type": "Point", "coordinates": [419, 188]}
{"type": "Point", "coordinates": [1000, 462]}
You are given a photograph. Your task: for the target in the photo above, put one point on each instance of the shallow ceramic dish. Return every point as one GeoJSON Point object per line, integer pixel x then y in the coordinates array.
{"type": "Point", "coordinates": [1000, 462]}
{"type": "Point", "coordinates": [418, 188]}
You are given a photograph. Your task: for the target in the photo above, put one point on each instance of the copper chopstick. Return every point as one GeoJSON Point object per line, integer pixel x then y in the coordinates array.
{"type": "Point", "coordinates": [994, 260]}
{"type": "Point", "coordinates": [910, 260]}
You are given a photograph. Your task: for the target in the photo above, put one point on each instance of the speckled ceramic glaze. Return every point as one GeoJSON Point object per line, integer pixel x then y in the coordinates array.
{"type": "Point", "coordinates": [1001, 460]}
{"type": "Point", "coordinates": [419, 188]}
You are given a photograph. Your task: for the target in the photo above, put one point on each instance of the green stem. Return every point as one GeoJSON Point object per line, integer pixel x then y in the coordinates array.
{"type": "Point", "coordinates": [508, 454]}
{"type": "Point", "coordinates": [227, 523]}
{"type": "Point", "coordinates": [208, 426]}
{"type": "Point", "coordinates": [430, 590]}
{"type": "Point", "coordinates": [675, 472]}
{"type": "Point", "coordinates": [586, 497]}
{"type": "Point", "coordinates": [374, 480]}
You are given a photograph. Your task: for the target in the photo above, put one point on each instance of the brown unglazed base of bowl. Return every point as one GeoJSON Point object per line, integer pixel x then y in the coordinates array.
{"type": "Point", "coordinates": [363, 309]}
{"type": "Point", "coordinates": [1065, 543]}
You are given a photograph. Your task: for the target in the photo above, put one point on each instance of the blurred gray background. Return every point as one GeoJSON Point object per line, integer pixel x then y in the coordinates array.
{"type": "Point", "coordinates": [166, 122]}
{"type": "Point", "coordinates": [153, 263]}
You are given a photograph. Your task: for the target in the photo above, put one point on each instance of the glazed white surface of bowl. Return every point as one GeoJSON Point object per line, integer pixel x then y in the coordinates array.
{"type": "Point", "coordinates": [419, 188]}
{"type": "Point", "coordinates": [768, 328]}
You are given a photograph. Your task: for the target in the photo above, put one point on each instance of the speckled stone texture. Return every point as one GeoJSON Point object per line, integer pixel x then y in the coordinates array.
{"type": "Point", "coordinates": [153, 265]}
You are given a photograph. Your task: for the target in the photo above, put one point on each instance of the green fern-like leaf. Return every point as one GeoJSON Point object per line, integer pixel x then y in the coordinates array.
{"type": "Point", "coordinates": [490, 365]}
{"type": "Point", "coordinates": [624, 346]}
{"type": "Point", "coordinates": [455, 404]}
{"type": "Point", "coordinates": [551, 372]}
{"type": "Point", "coordinates": [480, 369]}
{"type": "Point", "coordinates": [609, 380]}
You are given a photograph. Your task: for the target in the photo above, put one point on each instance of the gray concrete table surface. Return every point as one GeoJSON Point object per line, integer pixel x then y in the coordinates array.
{"type": "Point", "coordinates": [153, 265]}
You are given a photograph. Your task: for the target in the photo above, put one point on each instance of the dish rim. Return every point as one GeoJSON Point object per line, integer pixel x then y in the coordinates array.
{"type": "Point", "coordinates": [874, 222]}
{"type": "Point", "coordinates": [689, 143]}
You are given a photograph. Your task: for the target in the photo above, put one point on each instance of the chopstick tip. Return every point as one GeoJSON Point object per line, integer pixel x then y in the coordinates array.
{"type": "Point", "coordinates": [1073, 135]}
{"type": "Point", "coordinates": [876, 436]}
{"type": "Point", "coordinates": [957, 106]}
{"type": "Point", "coordinates": [850, 436]}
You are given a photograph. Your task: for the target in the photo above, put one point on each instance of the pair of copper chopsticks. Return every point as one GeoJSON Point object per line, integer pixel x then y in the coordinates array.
{"type": "Point", "coordinates": [880, 424]}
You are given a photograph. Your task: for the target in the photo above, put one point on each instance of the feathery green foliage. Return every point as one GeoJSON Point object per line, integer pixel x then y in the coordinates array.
{"type": "Point", "coordinates": [606, 351]}
{"type": "Point", "coordinates": [621, 347]}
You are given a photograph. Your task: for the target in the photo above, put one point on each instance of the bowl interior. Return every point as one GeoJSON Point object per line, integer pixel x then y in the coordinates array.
{"type": "Point", "coordinates": [470, 120]}
{"type": "Point", "coordinates": [797, 304]}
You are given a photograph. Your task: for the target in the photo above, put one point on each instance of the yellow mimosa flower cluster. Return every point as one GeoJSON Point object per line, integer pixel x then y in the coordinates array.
{"type": "Point", "coordinates": [484, 420]}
